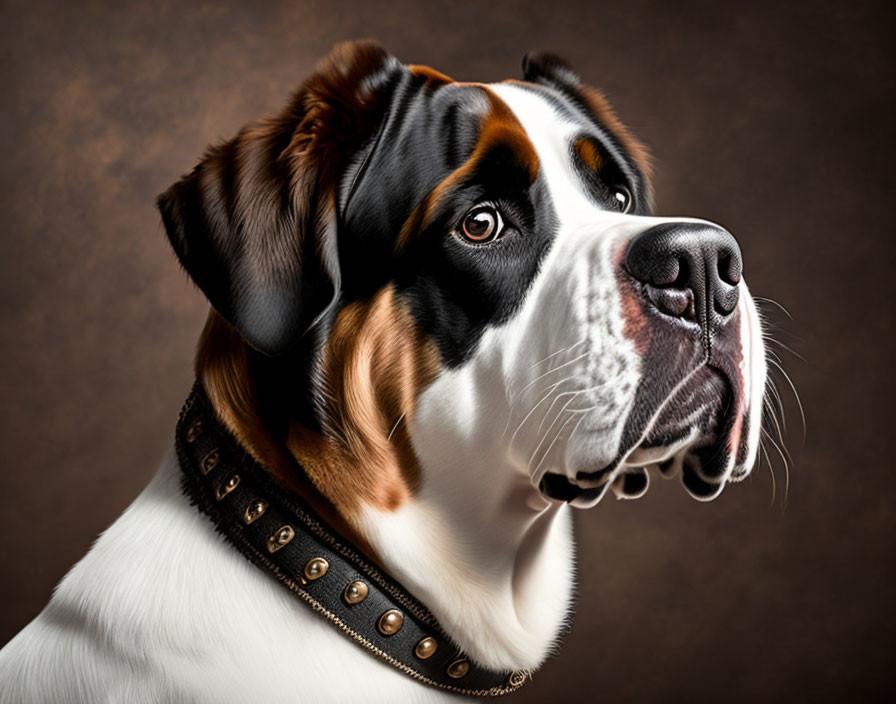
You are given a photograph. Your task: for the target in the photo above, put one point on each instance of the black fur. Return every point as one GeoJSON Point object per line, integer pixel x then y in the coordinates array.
{"type": "Point", "coordinates": [416, 131]}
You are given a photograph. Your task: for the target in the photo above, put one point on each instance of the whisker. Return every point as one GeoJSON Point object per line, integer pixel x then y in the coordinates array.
{"type": "Point", "coordinates": [772, 389]}
{"type": "Point", "coordinates": [559, 413]}
{"type": "Point", "coordinates": [548, 450]}
{"type": "Point", "coordinates": [774, 419]}
{"type": "Point", "coordinates": [774, 303]}
{"type": "Point", "coordinates": [549, 372]}
{"type": "Point", "coordinates": [783, 459]}
{"type": "Point", "coordinates": [554, 354]}
{"type": "Point", "coordinates": [535, 407]}
{"type": "Point", "coordinates": [774, 415]}
{"type": "Point", "coordinates": [796, 395]}
{"type": "Point", "coordinates": [574, 430]}
{"type": "Point", "coordinates": [772, 340]}
{"type": "Point", "coordinates": [512, 404]}
{"type": "Point", "coordinates": [771, 471]}
{"type": "Point", "coordinates": [772, 401]}
{"type": "Point", "coordinates": [575, 394]}
{"type": "Point", "coordinates": [395, 427]}
{"type": "Point", "coordinates": [541, 437]}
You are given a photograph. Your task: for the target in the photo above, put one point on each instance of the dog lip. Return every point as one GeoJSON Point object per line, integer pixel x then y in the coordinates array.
{"type": "Point", "coordinates": [560, 488]}
{"type": "Point", "coordinates": [632, 460]}
{"type": "Point", "coordinates": [632, 483]}
{"type": "Point", "coordinates": [698, 486]}
{"type": "Point", "coordinates": [599, 474]}
{"type": "Point", "coordinates": [739, 473]}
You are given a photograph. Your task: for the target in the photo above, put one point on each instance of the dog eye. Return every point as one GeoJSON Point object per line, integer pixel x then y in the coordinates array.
{"type": "Point", "coordinates": [482, 224]}
{"type": "Point", "coordinates": [622, 199]}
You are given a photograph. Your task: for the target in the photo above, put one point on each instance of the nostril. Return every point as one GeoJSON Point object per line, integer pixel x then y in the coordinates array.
{"type": "Point", "coordinates": [683, 279]}
{"type": "Point", "coordinates": [726, 300]}
{"type": "Point", "coordinates": [672, 301]}
{"type": "Point", "coordinates": [729, 267]}
{"type": "Point", "coordinates": [661, 271]}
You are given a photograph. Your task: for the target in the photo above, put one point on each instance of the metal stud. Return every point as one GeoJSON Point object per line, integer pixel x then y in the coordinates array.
{"type": "Point", "coordinates": [390, 622]}
{"type": "Point", "coordinates": [210, 461]}
{"type": "Point", "coordinates": [516, 678]}
{"type": "Point", "coordinates": [426, 648]}
{"type": "Point", "coordinates": [228, 486]}
{"type": "Point", "coordinates": [355, 592]}
{"type": "Point", "coordinates": [254, 511]}
{"type": "Point", "coordinates": [458, 669]}
{"type": "Point", "coordinates": [282, 537]}
{"type": "Point", "coordinates": [316, 568]}
{"type": "Point", "coordinates": [193, 430]}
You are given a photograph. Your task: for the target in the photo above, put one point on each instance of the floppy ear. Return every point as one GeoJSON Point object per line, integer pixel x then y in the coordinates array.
{"type": "Point", "coordinates": [254, 224]}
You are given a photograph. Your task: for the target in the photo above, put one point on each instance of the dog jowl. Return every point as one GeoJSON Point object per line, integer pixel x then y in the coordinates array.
{"type": "Point", "coordinates": [444, 312]}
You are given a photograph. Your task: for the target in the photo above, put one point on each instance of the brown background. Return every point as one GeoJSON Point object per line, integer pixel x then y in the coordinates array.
{"type": "Point", "coordinates": [773, 120]}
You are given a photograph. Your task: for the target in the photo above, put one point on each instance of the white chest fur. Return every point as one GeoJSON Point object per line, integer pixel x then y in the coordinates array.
{"type": "Point", "coordinates": [162, 609]}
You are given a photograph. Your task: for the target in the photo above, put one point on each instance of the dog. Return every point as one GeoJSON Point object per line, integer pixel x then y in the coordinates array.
{"type": "Point", "coordinates": [442, 314]}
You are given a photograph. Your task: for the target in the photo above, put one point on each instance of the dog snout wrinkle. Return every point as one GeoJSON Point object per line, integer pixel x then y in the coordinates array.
{"type": "Point", "coordinates": [689, 271]}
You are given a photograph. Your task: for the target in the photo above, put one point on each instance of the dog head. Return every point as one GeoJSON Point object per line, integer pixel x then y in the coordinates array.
{"type": "Point", "coordinates": [402, 266]}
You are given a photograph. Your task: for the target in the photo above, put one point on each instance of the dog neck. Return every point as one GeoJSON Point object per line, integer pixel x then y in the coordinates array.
{"type": "Point", "coordinates": [473, 540]}
{"type": "Point", "coordinates": [481, 547]}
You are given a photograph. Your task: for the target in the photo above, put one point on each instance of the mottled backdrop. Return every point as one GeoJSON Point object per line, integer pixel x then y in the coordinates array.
{"type": "Point", "coordinates": [775, 120]}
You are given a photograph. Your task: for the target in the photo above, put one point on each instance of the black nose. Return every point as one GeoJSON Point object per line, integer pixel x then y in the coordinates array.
{"type": "Point", "coordinates": [691, 270]}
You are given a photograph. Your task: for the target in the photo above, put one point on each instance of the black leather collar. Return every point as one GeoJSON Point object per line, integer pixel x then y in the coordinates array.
{"type": "Point", "coordinates": [281, 534]}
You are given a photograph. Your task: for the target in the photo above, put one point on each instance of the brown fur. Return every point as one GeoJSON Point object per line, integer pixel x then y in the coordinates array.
{"type": "Point", "coordinates": [604, 112]}
{"type": "Point", "coordinates": [588, 154]}
{"type": "Point", "coordinates": [224, 370]}
{"type": "Point", "coordinates": [254, 223]}
{"type": "Point", "coordinates": [373, 368]}
{"type": "Point", "coordinates": [431, 75]}
{"type": "Point", "coordinates": [498, 126]}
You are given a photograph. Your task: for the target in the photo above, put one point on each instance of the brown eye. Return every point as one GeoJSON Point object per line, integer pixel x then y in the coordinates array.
{"type": "Point", "coordinates": [482, 224]}
{"type": "Point", "coordinates": [622, 199]}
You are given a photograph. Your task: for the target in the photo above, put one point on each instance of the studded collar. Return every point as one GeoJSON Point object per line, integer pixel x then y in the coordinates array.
{"type": "Point", "coordinates": [281, 534]}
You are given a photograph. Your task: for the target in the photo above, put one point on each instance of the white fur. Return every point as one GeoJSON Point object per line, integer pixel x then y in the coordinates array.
{"type": "Point", "coordinates": [480, 545]}
{"type": "Point", "coordinates": [163, 610]}
{"type": "Point", "coordinates": [753, 368]}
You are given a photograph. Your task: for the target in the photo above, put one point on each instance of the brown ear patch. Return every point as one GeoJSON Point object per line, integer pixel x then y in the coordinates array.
{"type": "Point", "coordinates": [372, 369]}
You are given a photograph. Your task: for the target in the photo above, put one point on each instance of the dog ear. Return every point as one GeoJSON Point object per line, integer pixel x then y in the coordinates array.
{"type": "Point", "coordinates": [254, 224]}
{"type": "Point", "coordinates": [549, 69]}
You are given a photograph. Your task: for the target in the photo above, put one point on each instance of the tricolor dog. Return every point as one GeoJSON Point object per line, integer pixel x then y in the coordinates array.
{"type": "Point", "coordinates": [442, 315]}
